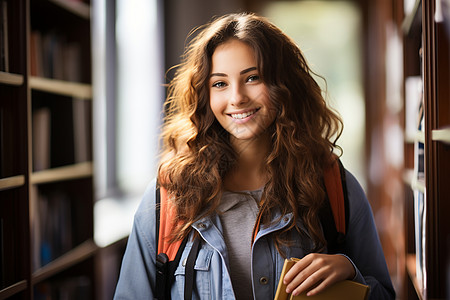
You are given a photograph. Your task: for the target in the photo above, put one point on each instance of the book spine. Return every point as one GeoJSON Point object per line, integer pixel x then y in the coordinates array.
{"type": "Point", "coordinates": [5, 29]}
{"type": "Point", "coordinates": [4, 52]}
{"type": "Point", "coordinates": [2, 265]}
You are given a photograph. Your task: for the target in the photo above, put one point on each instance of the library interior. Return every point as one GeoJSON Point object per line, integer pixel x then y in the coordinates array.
{"type": "Point", "coordinates": [82, 86]}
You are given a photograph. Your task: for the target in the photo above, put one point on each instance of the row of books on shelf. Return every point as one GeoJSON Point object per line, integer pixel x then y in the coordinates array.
{"type": "Point", "coordinates": [52, 55]}
{"type": "Point", "coordinates": [4, 37]}
{"type": "Point", "coordinates": [414, 109]}
{"type": "Point", "coordinates": [51, 223]}
{"type": "Point", "coordinates": [2, 271]}
{"type": "Point", "coordinates": [71, 288]}
{"type": "Point", "coordinates": [420, 203]}
{"type": "Point", "coordinates": [44, 138]}
{"type": "Point", "coordinates": [420, 236]}
{"type": "Point", "coordinates": [414, 132]}
{"type": "Point", "coordinates": [3, 143]}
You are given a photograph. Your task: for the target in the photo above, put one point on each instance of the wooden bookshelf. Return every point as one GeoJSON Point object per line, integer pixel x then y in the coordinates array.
{"type": "Point", "coordinates": [11, 79]}
{"type": "Point", "coordinates": [12, 182]}
{"type": "Point", "coordinates": [13, 289]}
{"type": "Point", "coordinates": [441, 135]}
{"type": "Point", "coordinates": [78, 8]}
{"type": "Point", "coordinates": [72, 89]}
{"type": "Point", "coordinates": [412, 182]}
{"type": "Point", "coordinates": [77, 255]}
{"type": "Point", "coordinates": [426, 54]}
{"type": "Point", "coordinates": [411, 269]}
{"type": "Point", "coordinates": [76, 171]}
{"type": "Point", "coordinates": [46, 209]}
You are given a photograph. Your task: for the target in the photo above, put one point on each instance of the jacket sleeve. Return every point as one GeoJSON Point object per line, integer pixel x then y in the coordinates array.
{"type": "Point", "coordinates": [137, 277]}
{"type": "Point", "coordinates": [363, 246]}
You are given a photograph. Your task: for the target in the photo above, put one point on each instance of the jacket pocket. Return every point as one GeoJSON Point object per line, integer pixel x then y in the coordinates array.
{"type": "Point", "coordinates": [202, 289]}
{"type": "Point", "coordinates": [202, 262]}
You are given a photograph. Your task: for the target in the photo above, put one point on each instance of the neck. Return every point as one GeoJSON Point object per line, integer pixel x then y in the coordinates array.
{"type": "Point", "coordinates": [250, 171]}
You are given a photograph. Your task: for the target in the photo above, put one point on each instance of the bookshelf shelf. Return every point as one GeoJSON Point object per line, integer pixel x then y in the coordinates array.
{"type": "Point", "coordinates": [420, 136]}
{"type": "Point", "coordinates": [78, 8]}
{"type": "Point", "coordinates": [65, 88]}
{"type": "Point", "coordinates": [412, 18]}
{"type": "Point", "coordinates": [414, 183]}
{"type": "Point", "coordinates": [441, 135]}
{"type": "Point", "coordinates": [419, 185]}
{"type": "Point", "coordinates": [71, 258]}
{"type": "Point", "coordinates": [62, 173]}
{"type": "Point", "coordinates": [12, 182]}
{"type": "Point", "coordinates": [13, 289]}
{"type": "Point", "coordinates": [11, 79]}
{"type": "Point", "coordinates": [411, 269]}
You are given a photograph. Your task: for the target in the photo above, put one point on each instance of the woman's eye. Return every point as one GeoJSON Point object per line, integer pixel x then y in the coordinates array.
{"type": "Point", "coordinates": [219, 84]}
{"type": "Point", "coordinates": [252, 78]}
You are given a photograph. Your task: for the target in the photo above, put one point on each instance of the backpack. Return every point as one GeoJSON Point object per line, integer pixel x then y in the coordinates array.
{"type": "Point", "coordinates": [333, 217]}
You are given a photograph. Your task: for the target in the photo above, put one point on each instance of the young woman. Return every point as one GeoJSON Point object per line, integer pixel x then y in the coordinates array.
{"type": "Point", "coordinates": [245, 143]}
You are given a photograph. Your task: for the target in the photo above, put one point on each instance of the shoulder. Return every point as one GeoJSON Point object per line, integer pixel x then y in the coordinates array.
{"type": "Point", "coordinates": [354, 189]}
{"type": "Point", "coordinates": [146, 209]}
{"type": "Point", "coordinates": [359, 206]}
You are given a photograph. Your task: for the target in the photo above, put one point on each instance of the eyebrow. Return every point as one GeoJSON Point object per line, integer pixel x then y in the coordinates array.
{"type": "Point", "coordinates": [241, 73]}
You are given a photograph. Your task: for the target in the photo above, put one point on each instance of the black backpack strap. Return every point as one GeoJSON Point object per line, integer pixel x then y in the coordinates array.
{"type": "Point", "coordinates": [173, 265]}
{"type": "Point", "coordinates": [189, 276]}
{"type": "Point", "coordinates": [329, 227]}
{"type": "Point", "coordinates": [158, 215]}
{"type": "Point", "coordinates": [162, 261]}
{"type": "Point", "coordinates": [162, 273]}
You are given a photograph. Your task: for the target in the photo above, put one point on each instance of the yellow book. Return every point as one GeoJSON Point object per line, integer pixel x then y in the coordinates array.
{"type": "Point", "coordinates": [344, 290]}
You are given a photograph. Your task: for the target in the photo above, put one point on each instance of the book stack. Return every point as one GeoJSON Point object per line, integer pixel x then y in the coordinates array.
{"type": "Point", "coordinates": [53, 56]}
{"type": "Point", "coordinates": [51, 215]}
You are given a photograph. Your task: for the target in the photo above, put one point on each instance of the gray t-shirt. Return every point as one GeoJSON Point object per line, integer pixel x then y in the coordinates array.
{"type": "Point", "coordinates": [238, 212]}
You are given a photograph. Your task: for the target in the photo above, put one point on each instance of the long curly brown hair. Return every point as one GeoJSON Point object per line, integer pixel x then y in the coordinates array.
{"type": "Point", "coordinates": [197, 153]}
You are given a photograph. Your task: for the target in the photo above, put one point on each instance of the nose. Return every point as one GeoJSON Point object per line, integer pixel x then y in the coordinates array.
{"type": "Point", "coordinates": [238, 96]}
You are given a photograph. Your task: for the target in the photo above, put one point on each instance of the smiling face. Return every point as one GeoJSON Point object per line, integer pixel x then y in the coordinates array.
{"type": "Point", "coordinates": [239, 98]}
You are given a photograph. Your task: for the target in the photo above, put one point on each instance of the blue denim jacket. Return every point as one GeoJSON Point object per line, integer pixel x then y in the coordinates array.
{"type": "Point", "coordinates": [137, 276]}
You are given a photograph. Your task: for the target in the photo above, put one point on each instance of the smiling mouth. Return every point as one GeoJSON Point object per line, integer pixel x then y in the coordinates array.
{"type": "Point", "coordinates": [244, 115]}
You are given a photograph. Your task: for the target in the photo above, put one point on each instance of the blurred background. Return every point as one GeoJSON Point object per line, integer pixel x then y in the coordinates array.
{"type": "Point", "coordinates": [82, 85]}
{"type": "Point", "coordinates": [147, 38]}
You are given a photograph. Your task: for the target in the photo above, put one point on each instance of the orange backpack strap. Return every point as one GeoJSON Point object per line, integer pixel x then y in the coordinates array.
{"type": "Point", "coordinates": [169, 253]}
{"type": "Point", "coordinates": [334, 178]}
{"type": "Point", "coordinates": [336, 188]}
{"type": "Point", "coordinates": [166, 216]}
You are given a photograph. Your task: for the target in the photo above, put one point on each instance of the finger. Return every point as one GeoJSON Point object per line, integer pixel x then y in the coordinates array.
{"type": "Point", "coordinates": [297, 281]}
{"type": "Point", "coordinates": [321, 287]}
{"type": "Point", "coordinates": [314, 264]}
{"type": "Point", "coordinates": [308, 283]}
{"type": "Point", "coordinates": [297, 268]}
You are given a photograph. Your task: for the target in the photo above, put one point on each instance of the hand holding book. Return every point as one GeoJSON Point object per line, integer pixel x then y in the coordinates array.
{"type": "Point", "coordinates": [319, 278]}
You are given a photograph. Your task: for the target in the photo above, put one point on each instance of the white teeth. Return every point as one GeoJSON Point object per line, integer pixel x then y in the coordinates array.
{"type": "Point", "coordinates": [244, 115]}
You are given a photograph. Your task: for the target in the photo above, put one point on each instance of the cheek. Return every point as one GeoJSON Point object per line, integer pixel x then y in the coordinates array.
{"type": "Point", "coordinates": [272, 110]}
{"type": "Point", "coordinates": [270, 117]}
{"type": "Point", "coordinates": [216, 105]}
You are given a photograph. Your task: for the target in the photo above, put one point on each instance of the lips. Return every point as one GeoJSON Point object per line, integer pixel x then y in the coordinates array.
{"type": "Point", "coordinates": [243, 115]}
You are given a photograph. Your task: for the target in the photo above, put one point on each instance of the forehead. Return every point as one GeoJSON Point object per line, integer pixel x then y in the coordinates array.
{"type": "Point", "coordinates": [233, 54]}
